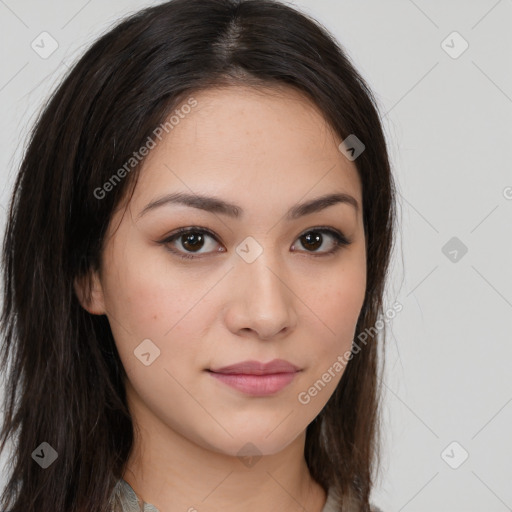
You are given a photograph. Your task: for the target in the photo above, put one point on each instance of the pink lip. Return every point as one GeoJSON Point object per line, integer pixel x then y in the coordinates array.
{"type": "Point", "coordinates": [257, 368]}
{"type": "Point", "coordinates": [255, 378]}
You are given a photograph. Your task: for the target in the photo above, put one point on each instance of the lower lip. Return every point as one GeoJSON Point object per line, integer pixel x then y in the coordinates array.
{"type": "Point", "coordinates": [259, 385]}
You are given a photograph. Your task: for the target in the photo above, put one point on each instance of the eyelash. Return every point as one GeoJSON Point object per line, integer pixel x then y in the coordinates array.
{"type": "Point", "coordinates": [340, 240]}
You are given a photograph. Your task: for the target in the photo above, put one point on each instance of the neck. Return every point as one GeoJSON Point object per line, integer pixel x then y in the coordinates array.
{"type": "Point", "coordinates": [173, 473]}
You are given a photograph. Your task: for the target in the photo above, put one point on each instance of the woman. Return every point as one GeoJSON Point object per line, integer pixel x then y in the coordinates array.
{"type": "Point", "coordinates": [199, 233]}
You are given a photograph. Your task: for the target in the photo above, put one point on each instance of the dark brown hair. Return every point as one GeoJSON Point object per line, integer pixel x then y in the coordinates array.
{"type": "Point", "coordinates": [65, 378]}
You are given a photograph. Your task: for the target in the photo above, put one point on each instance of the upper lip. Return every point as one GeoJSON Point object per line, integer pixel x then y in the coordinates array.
{"type": "Point", "coordinates": [258, 368]}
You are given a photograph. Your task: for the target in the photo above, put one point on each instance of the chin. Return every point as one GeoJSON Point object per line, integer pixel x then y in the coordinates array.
{"type": "Point", "coordinates": [252, 443]}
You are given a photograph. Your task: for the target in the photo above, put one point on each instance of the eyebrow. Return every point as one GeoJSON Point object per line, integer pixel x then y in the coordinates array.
{"type": "Point", "coordinates": [217, 205]}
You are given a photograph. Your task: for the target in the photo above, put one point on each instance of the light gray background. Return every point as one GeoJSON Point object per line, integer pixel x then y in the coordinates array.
{"type": "Point", "coordinates": [448, 123]}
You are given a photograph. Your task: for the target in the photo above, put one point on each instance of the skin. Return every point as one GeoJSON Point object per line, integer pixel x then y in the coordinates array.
{"type": "Point", "coordinates": [265, 151]}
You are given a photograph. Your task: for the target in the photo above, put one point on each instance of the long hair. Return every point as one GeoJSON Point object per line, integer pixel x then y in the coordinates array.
{"type": "Point", "coordinates": [64, 393]}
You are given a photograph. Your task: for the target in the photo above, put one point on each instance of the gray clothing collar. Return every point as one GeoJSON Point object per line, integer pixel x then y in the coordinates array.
{"type": "Point", "coordinates": [124, 499]}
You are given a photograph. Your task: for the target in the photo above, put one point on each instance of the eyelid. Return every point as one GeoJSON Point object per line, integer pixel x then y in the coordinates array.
{"type": "Point", "coordinates": [340, 241]}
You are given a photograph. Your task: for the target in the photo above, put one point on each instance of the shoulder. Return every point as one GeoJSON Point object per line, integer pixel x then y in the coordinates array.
{"type": "Point", "coordinates": [375, 509]}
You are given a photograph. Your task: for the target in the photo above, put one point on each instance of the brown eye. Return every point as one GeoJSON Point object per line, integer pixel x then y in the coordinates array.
{"type": "Point", "coordinates": [312, 242]}
{"type": "Point", "coordinates": [189, 242]}
{"type": "Point", "coordinates": [186, 242]}
{"type": "Point", "coordinates": [315, 238]}
{"type": "Point", "coordinates": [192, 241]}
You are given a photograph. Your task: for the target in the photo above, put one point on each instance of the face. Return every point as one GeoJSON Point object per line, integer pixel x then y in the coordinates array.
{"type": "Point", "coordinates": [259, 281]}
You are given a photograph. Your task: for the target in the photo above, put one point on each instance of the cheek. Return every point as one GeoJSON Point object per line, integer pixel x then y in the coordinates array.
{"type": "Point", "coordinates": [340, 300]}
{"type": "Point", "coordinates": [146, 302]}
{"type": "Point", "coordinates": [159, 303]}
{"type": "Point", "coordinates": [338, 304]}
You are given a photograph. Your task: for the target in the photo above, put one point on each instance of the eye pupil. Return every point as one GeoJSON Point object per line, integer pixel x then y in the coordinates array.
{"type": "Point", "coordinates": [189, 241]}
{"type": "Point", "coordinates": [193, 240]}
{"type": "Point", "coordinates": [315, 240]}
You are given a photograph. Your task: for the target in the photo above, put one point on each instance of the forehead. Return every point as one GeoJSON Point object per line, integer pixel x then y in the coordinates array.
{"type": "Point", "coordinates": [248, 144]}
{"type": "Point", "coordinates": [239, 117]}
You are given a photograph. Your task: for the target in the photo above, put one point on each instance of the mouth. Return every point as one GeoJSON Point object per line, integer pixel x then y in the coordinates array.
{"type": "Point", "coordinates": [258, 368]}
{"type": "Point", "coordinates": [256, 378]}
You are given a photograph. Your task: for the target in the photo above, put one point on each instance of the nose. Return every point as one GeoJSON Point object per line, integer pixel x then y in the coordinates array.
{"type": "Point", "coordinates": [261, 298]}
